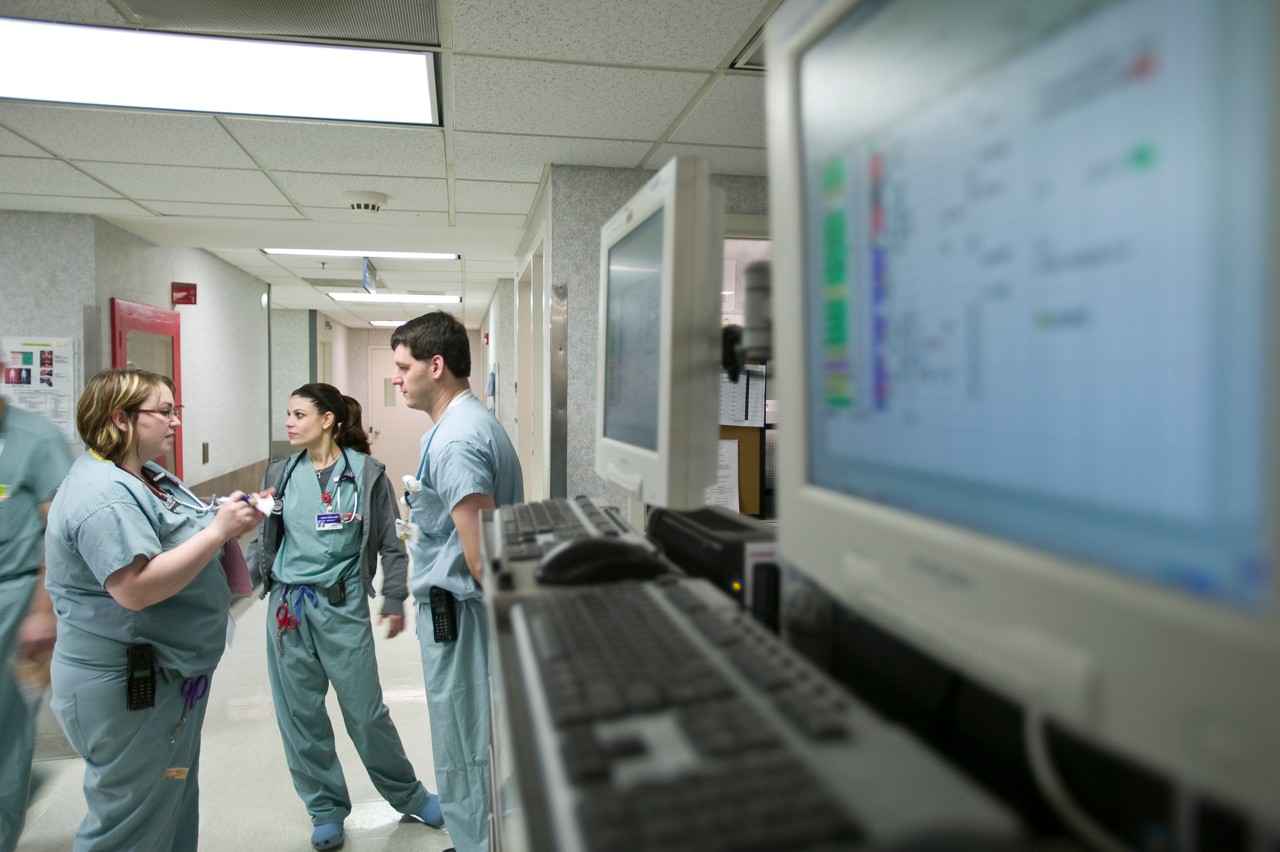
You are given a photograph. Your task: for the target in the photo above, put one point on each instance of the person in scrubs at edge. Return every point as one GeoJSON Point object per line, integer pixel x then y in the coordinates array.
{"type": "Point", "coordinates": [336, 513]}
{"type": "Point", "coordinates": [467, 464]}
{"type": "Point", "coordinates": [33, 460]}
{"type": "Point", "coordinates": [141, 597]}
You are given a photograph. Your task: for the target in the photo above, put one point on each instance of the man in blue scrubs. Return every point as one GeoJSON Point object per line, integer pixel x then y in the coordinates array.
{"type": "Point", "coordinates": [33, 460]}
{"type": "Point", "coordinates": [467, 464]}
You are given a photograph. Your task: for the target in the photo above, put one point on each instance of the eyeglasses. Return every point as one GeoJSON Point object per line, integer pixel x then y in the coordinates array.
{"type": "Point", "coordinates": [174, 413]}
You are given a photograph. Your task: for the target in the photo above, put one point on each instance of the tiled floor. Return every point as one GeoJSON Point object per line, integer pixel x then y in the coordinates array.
{"type": "Point", "coordinates": [246, 798]}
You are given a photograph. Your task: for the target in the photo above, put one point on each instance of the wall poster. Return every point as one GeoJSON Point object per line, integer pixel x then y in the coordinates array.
{"type": "Point", "coordinates": [40, 376]}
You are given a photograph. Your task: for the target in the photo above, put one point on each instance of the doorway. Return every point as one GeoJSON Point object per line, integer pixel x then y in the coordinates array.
{"type": "Point", "coordinates": [395, 429]}
{"type": "Point", "coordinates": [144, 337]}
{"type": "Point", "coordinates": [532, 438]}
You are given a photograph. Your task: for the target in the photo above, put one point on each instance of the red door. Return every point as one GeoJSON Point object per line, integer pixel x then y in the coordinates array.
{"type": "Point", "coordinates": [149, 338]}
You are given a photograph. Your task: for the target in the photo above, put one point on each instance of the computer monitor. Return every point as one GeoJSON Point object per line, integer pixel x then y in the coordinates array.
{"type": "Point", "coordinates": [1025, 327]}
{"type": "Point", "coordinates": [657, 400]}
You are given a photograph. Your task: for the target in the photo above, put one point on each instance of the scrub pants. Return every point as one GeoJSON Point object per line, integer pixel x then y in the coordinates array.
{"type": "Point", "coordinates": [17, 722]}
{"type": "Point", "coordinates": [457, 680]}
{"type": "Point", "coordinates": [334, 644]}
{"type": "Point", "coordinates": [140, 780]}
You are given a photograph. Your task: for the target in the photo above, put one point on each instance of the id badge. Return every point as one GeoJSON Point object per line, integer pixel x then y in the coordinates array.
{"type": "Point", "coordinates": [328, 521]}
{"type": "Point", "coordinates": [406, 531]}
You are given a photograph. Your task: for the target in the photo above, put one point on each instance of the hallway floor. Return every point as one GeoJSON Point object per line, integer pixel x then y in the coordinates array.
{"type": "Point", "coordinates": [246, 797]}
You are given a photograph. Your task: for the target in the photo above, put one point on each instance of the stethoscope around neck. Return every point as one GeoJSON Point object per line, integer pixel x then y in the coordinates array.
{"type": "Point", "coordinates": [172, 500]}
{"type": "Point", "coordinates": [348, 474]}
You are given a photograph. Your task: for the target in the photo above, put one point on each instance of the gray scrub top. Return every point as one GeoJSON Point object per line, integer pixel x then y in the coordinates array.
{"type": "Point", "coordinates": [101, 520]}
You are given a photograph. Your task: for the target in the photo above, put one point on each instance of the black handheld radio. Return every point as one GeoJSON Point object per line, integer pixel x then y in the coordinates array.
{"type": "Point", "coordinates": [141, 676]}
{"type": "Point", "coordinates": [444, 618]}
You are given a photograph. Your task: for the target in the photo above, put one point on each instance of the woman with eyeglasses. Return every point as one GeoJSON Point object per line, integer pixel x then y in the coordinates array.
{"type": "Point", "coordinates": [335, 515]}
{"type": "Point", "coordinates": [134, 569]}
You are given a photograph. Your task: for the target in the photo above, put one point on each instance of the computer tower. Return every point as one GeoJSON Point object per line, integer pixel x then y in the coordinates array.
{"type": "Point", "coordinates": [733, 551]}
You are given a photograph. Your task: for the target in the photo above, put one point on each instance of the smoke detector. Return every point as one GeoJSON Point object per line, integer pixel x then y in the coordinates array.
{"type": "Point", "coordinates": [369, 202]}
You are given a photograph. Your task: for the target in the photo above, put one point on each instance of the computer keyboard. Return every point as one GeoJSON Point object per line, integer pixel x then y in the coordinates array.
{"type": "Point", "coordinates": [665, 718]}
{"type": "Point", "coordinates": [530, 530]}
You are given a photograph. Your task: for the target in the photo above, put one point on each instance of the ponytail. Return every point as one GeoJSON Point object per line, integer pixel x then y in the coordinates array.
{"type": "Point", "coordinates": [350, 433]}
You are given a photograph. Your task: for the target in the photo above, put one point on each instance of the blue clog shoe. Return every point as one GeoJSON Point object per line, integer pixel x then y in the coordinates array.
{"type": "Point", "coordinates": [430, 813]}
{"type": "Point", "coordinates": [327, 835]}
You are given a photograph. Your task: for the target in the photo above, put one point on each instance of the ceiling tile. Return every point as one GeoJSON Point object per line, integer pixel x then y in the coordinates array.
{"type": "Point", "coordinates": [320, 268]}
{"type": "Point", "coordinates": [60, 204]}
{"type": "Point", "coordinates": [235, 211]}
{"type": "Point", "coordinates": [490, 220]}
{"type": "Point", "coordinates": [314, 146]}
{"type": "Point", "coordinates": [732, 113]}
{"type": "Point", "coordinates": [403, 193]}
{"type": "Point", "coordinates": [486, 156]}
{"type": "Point", "coordinates": [48, 177]}
{"type": "Point", "coordinates": [12, 145]}
{"type": "Point", "coordinates": [183, 183]}
{"type": "Point", "coordinates": [65, 11]}
{"type": "Point", "coordinates": [548, 99]}
{"type": "Point", "coordinates": [245, 258]}
{"type": "Point", "coordinates": [671, 33]}
{"type": "Point", "coordinates": [417, 267]}
{"type": "Point", "coordinates": [425, 276]}
{"type": "Point", "coordinates": [383, 218]}
{"type": "Point", "coordinates": [479, 196]}
{"type": "Point", "coordinates": [724, 161]}
{"type": "Point", "coordinates": [126, 136]}
{"type": "Point", "coordinates": [505, 267]}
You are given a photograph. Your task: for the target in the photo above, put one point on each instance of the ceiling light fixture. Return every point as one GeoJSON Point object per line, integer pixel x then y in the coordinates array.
{"type": "Point", "coordinates": [387, 323]}
{"type": "Point", "coordinates": [401, 255]}
{"type": "Point", "coordinates": [403, 298]}
{"type": "Point", "coordinates": [152, 70]}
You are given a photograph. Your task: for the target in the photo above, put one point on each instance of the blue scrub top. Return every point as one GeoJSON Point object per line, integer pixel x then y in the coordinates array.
{"type": "Point", "coordinates": [33, 462]}
{"type": "Point", "coordinates": [467, 452]}
{"type": "Point", "coordinates": [320, 557]}
{"type": "Point", "coordinates": [101, 520]}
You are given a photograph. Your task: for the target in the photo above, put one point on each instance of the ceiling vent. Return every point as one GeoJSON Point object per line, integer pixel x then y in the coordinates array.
{"type": "Point", "coordinates": [367, 202]}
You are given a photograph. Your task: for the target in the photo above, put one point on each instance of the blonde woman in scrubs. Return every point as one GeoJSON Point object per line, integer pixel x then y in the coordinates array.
{"type": "Point", "coordinates": [336, 513]}
{"type": "Point", "coordinates": [133, 561]}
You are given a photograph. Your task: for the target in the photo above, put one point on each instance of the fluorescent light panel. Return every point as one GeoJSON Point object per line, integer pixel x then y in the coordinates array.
{"type": "Point", "coordinates": [402, 298]}
{"type": "Point", "coordinates": [117, 67]}
{"type": "Point", "coordinates": [387, 323]}
{"type": "Point", "coordinates": [401, 255]}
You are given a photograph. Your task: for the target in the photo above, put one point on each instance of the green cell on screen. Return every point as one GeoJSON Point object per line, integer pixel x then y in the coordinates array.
{"type": "Point", "coordinates": [836, 323]}
{"type": "Point", "coordinates": [838, 393]}
{"type": "Point", "coordinates": [834, 247]}
{"type": "Point", "coordinates": [833, 179]}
